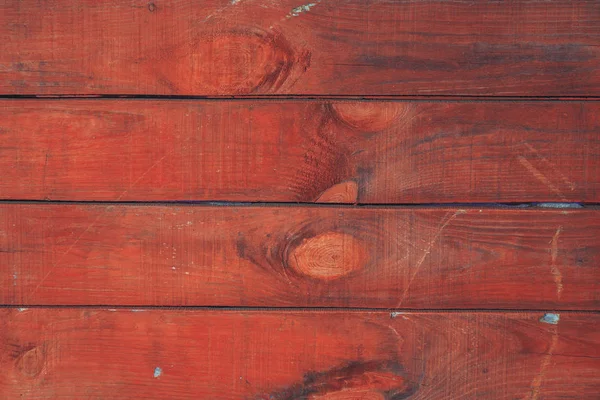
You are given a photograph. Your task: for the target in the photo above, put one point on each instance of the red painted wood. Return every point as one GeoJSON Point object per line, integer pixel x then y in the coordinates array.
{"type": "Point", "coordinates": [313, 151]}
{"type": "Point", "coordinates": [158, 354]}
{"type": "Point", "coordinates": [333, 47]}
{"type": "Point", "coordinates": [299, 256]}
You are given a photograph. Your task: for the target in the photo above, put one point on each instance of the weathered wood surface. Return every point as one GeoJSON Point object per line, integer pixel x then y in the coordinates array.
{"type": "Point", "coordinates": [333, 47]}
{"type": "Point", "coordinates": [314, 151]}
{"type": "Point", "coordinates": [158, 354]}
{"type": "Point", "coordinates": [299, 256]}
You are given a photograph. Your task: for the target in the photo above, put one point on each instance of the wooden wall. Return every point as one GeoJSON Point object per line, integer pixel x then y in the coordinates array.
{"type": "Point", "coordinates": [329, 200]}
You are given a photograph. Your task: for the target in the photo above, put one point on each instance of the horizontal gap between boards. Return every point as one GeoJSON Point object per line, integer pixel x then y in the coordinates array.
{"type": "Point", "coordinates": [211, 203]}
{"type": "Point", "coordinates": [397, 311]}
{"type": "Point", "coordinates": [311, 97]}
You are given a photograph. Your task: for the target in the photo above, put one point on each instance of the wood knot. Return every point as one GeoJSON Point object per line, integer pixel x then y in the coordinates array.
{"type": "Point", "coordinates": [328, 256]}
{"type": "Point", "coordinates": [350, 395]}
{"type": "Point", "coordinates": [31, 361]}
{"type": "Point", "coordinates": [245, 62]}
{"type": "Point", "coordinates": [370, 117]}
{"type": "Point", "coordinates": [344, 192]}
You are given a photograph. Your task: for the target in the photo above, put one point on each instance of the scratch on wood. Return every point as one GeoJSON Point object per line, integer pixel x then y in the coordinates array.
{"type": "Point", "coordinates": [53, 266]}
{"type": "Point", "coordinates": [141, 176]}
{"type": "Point", "coordinates": [536, 384]}
{"type": "Point", "coordinates": [220, 10]}
{"type": "Point", "coordinates": [537, 174]}
{"type": "Point", "coordinates": [44, 170]}
{"type": "Point", "coordinates": [553, 267]}
{"type": "Point", "coordinates": [395, 332]}
{"type": "Point", "coordinates": [551, 165]}
{"type": "Point", "coordinates": [397, 335]}
{"type": "Point", "coordinates": [427, 250]}
{"type": "Point", "coordinates": [92, 224]}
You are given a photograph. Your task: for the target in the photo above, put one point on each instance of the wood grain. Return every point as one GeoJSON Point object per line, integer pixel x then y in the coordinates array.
{"type": "Point", "coordinates": [158, 354]}
{"type": "Point", "coordinates": [444, 258]}
{"type": "Point", "coordinates": [309, 151]}
{"type": "Point", "coordinates": [334, 47]}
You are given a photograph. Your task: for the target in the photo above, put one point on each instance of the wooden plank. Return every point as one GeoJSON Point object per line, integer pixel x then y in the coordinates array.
{"type": "Point", "coordinates": [158, 354]}
{"type": "Point", "coordinates": [444, 258]}
{"type": "Point", "coordinates": [313, 151]}
{"type": "Point", "coordinates": [334, 47]}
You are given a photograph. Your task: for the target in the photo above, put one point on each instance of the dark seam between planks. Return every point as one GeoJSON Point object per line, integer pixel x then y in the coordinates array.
{"type": "Point", "coordinates": [217, 203]}
{"type": "Point", "coordinates": [310, 97]}
{"type": "Point", "coordinates": [397, 311]}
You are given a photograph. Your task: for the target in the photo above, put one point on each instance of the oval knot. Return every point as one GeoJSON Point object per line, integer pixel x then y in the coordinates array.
{"type": "Point", "coordinates": [328, 256]}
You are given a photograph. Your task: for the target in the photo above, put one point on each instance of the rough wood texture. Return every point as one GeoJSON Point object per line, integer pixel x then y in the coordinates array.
{"type": "Point", "coordinates": [158, 354]}
{"type": "Point", "coordinates": [333, 47]}
{"type": "Point", "coordinates": [299, 256]}
{"type": "Point", "coordinates": [345, 152]}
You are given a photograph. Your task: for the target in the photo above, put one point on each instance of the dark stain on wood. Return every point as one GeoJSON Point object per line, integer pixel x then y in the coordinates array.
{"type": "Point", "coordinates": [372, 380]}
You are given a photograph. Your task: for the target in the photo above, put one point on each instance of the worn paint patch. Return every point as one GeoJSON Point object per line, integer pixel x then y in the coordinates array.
{"type": "Point", "coordinates": [559, 205]}
{"type": "Point", "coordinates": [550, 318]}
{"type": "Point", "coordinates": [21, 309]}
{"type": "Point", "coordinates": [395, 314]}
{"type": "Point", "coordinates": [297, 11]}
{"type": "Point", "coordinates": [157, 372]}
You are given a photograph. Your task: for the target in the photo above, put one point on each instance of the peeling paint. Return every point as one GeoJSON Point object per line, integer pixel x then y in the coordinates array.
{"type": "Point", "coordinates": [157, 372]}
{"type": "Point", "coordinates": [137, 310]}
{"type": "Point", "coordinates": [550, 318]}
{"type": "Point", "coordinates": [301, 9]}
{"type": "Point", "coordinates": [395, 314]}
{"type": "Point", "coordinates": [22, 309]}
